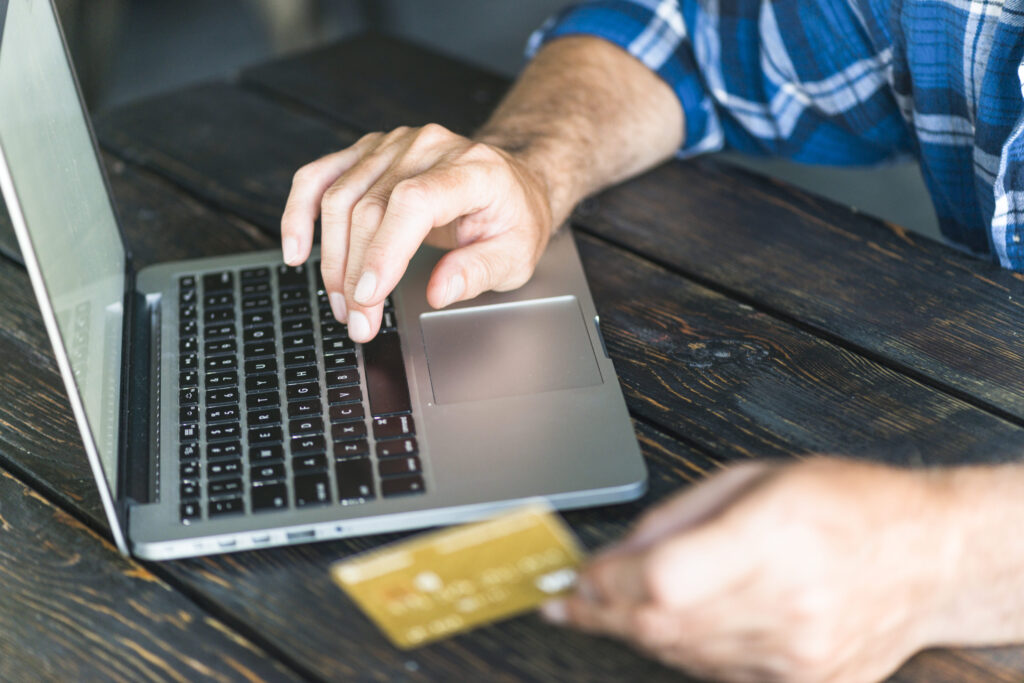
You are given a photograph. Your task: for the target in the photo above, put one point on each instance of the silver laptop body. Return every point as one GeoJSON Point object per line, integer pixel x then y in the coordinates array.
{"type": "Point", "coordinates": [510, 397]}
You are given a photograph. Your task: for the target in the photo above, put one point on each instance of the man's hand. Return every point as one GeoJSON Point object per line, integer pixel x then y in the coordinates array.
{"type": "Point", "coordinates": [379, 199]}
{"type": "Point", "coordinates": [825, 570]}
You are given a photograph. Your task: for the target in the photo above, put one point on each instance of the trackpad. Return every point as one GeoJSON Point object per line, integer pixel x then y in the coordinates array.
{"type": "Point", "coordinates": [510, 349]}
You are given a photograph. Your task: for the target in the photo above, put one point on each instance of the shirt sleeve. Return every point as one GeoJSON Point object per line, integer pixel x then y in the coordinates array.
{"type": "Point", "coordinates": [654, 32]}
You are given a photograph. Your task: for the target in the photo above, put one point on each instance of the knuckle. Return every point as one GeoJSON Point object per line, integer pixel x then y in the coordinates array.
{"type": "Point", "coordinates": [432, 133]}
{"type": "Point", "coordinates": [369, 209]}
{"type": "Point", "coordinates": [303, 174]}
{"type": "Point", "coordinates": [410, 193]}
{"type": "Point", "coordinates": [479, 151]}
{"type": "Point", "coordinates": [336, 199]}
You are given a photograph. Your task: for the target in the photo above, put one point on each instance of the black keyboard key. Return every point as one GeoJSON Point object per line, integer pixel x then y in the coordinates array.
{"type": "Point", "coordinates": [189, 512]}
{"type": "Point", "coordinates": [255, 367]}
{"type": "Point", "coordinates": [226, 506]}
{"type": "Point", "coordinates": [342, 378]}
{"type": "Point", "coordinates": [346, 431]}
{"type": "Point", "coordinates": [297, 341]}
{"type": "Point", "coordinates": [355, 480]}
{"type": "Point", "coordinates": [347, 412]}
{"type": "Point", "coordinates": [400, 486]}
{"type": "Point", "coordinates": [255, 287]}
{"type": "Point", "coordinates": [224, 449]}
{"type": "Point", "coordinates": [291, 277]}
{"type": "Point", "coordinates": [189, 490]}
{"type": "Point", "coordinates": [387, 322]}
{"type": "Point", "coordinates": [260, 435]}
{"type": "Point", "coordinates": [296, 326]}
{"type": "Point", "coordinates": [295, 310]}
{"type": "Point", "coordinates": [218, 315]}
{"type": "Point", "coordinates": [188, 414]}
{"type": "Point", "coordinates": [264, 417]}
{"type": "Point", "coordinates": [392, 467]}
{"type": "Point", "coordinates": [342, 361]}
{"type": "Point", "coordinates": [219, 347]}
{"type": "Point", "coordinates": [187, 312]}
{"type": "Point", "coordinates": [215, 380]}
{"type": "Point", "coordinates": [268, 472]}
{"type": "Point", "coordinates": [188, 328]}
{"type": "Point", "coordinates": [332, 347]}
{"type": "Point", "coordinates": [187, 282]}
{"type": "Point", "coordinates": [222, 331]}
{"type": "Point", "coordinates": [221, 396]}
{"type": "Point", "coordinates": [223, 431]}
{"type": "Point", "coordinates": [351, 449]}
{"type": "Point", "coordinates": [215, 363]}
{"type": "Point", "coordinates": [299, 392]}
{"type": "Point", "coordinates": [188, 451]}
{"type": "Point", "coordinates": [188, 345]}
{"type": "Point", "coordinates": [303, 374]}
{"type": "Point", "coordinates": [303, 408]}
{"type": "Point", "coordinates": [189, 361]}
{"type": "Point", "coordinates": [315, 462]}
{"type": "Point", "coordinates": [306, 426]}
{"type": "Point", "coordinates": [257, 302]}
{"type": "Point", "coordinates": [393, 427]}
{"type": "Point", "coordinates": [333, 330]}
{"type": "Point", "coordinates": [269, 497]}
{"type": "Point", "coordinates": [188, 432]}
{"type": "Point", "coordinates": [386, 384]}
{"type": "Point", "coordinates": [312, 489]}
{"type": "Point", "coordinates": [187, 297]}
{"type": "Point", "coordinates": [263, 382]}
{"type": "Point", "coordinates": [260, 349]}
{"type": "Point", "coordinates": [224, 300]}
{"type": "Point", "coordinates": [225, 487]}
{"type": "Point", "coordinates": [293, 295]}
{"type": "Point", "coordinates": [266, 399]}
{"type": "Point", "coordinates": [188, 397]}
{"type": "Point", "coordinates": [225, 413]}
{"type": "Point", "coordinates": [224, 468]}
{"type": "Point", "coordinates": [257, 319]}
{"type": "Point", "coordinates": [258, 334]}
{"type": "Point", "coordinates": [218, 282]}
{"type": "Point", "coordinates": [189, 471]}
{"type": "Point", "coordinates": [308, 444]}
{"type": "Point", "coordinates": [344, 395]}
{"type": "Point", "coordinates": [303, 357]}
{"type": "Point", "coordinates": [189, 378]}
{"type": "Point", "coordinates": [394, 447]}
{"type": "Point", "coordinates": [251, 274]}
{"type": "Point", "coordinates": [262, 454]}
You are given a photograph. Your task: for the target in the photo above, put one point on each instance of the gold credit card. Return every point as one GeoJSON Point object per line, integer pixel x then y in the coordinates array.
{"type": "Point", "coordinates": [445, 582]}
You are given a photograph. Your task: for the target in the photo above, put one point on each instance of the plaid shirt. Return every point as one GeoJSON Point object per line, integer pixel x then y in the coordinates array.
{"type": "Point", "coordinates": [848, 82]}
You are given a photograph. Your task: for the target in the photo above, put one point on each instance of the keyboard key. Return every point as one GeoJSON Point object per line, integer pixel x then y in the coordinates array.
{"type": "Point", "coordinates": [346, 413]}
{"type": "Point", "coordinates": [189, 512]}
{"type": "Point", "coordinates": [341, 345]}
{"type": "Point", "coordinates": [393, 427]}
{"type": "Point", "coordinates": [298, 392]}
{"type": "Point", "coordinates": [315, 462]}
{"type": "Point", "coordinates": [302, 408]}
{"type": "Point", "coordinates": [291, 277]}
{"type": "Point", "coordinates": [223, 431]}
{"type": "Point", "coordinates": [257, 334]}
{"type": "Point", "coordinates": [261, 454]}
{"type": "Point", "coordinates": [188, 451]}
{"type": "Point", "coordinates": [187, 312]}
{"type": "Point", "coordinates": [220, 346]}
{"type": "Point", "coordinates": [311, 489]}
{"type": "Point", "coordinates": [292, 295]}
{"type": "Point", "coordinates": [333, 330]}
{"type": "Point", "coordinates": [342, 378]}
{"type": "Point", "coordinates": [188, 328]}
{"type": "Point", "coordinates": [295, 310]}
{"type": "Point", "coordinates": [340, 361]}
{"type": "Point", "coordinates": [188, 345]}
{"type": "Point", "coordinates": [400, 486]}
{"type": "Point", "coordinates": [211, 332]}
{"type": "Point", "coordinates": [351, 449]}
{"type": "Point", "coordinates": [257, 302]}
{"type": "Point", "coordinates": [189, 378]}
{"type": "Point", "coordinates": [259, 349]}
{"type": "Point", "coordinates": [188, 432]}
{"type": "Point", "coordinates": [386, 384]}
{"type": "Point", "coordinates": [221, 363]}
{"type": "Point", "coordinates": [297, 341]}
{"type": "Point", "coordinates": [225, 487]}
{"type": "Point", "coordinates": [260, 382]}
{"type": "Point", "coordinates": [218, 315]}
{"type": "Point", "coordinates": [226, 506]}
{"type": "Point", "coordinates": [391, 467]}
{"type": "Point", "coordinates": [355, 480]}
{"type": "Point", "coordinates": [224, 449]}
{"type": "Point", "coordinates": [393, 447]}
{"type": "Point", "coordinates": [218, 282]}
{"type": "Point", "coordinates": [189, 490]}
{"type": "Point", "coordinates": [257, 319]}
{"type": "Point", "coordinates": [387, 323]}
{"type": "Point", "coordinates": [306, 426]}
{"type": "Point", "coordinates": [189, 470]}
{"type": "Point", "coordinates": [346, 431]}
{"type": "Point", "coordinates": [269, 497]}
{"type": "Point", "coordinates": [219, 300]}
{"type": "Point", "coordinates": [220, 379]}
{"type": "Point", "coordinates": [226, 395]}
{"type": "Point", "coordinates": [255, 367]}
{"type": "Point", "coordinates": [251, 274]}
{"type": "Point", "coordinates": [303, 374]}
{"type": "Point", "coordinates": [259, 435]}
{"type": "Point", "coordinates": [187, 282]}
{"type": "Point", "coordinates": [266, 399]}
{"type": "Point", "coordinates": [224, 468]}
{"type": "Point", "coordinates": [268, 472]}
{"type": "Point", "coordinates": [296, 326]}
{"type": "Point", "coordinates": [301, 445]}
{"type": "Point", "coordinates": [187, 397]}
{"type": "Point", "coordinates": [189, 361]}
{"type": "Point", "coordinates": [344, 395]}
{"type": "Point", "coordinates": [226, 413]}
{"type": "Point", "coordinates": [303, 357]}
{"type": "Point", "coordinates": [264, 417]}
{"type": "Point", "coordinates": [188, 414]}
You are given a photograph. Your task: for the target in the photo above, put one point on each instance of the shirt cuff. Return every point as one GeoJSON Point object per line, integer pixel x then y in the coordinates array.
{"type": "Point", "coordinates": [654, 32]}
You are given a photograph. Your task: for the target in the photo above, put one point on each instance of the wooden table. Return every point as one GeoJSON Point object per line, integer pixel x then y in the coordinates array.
{"type": "Point", "coordinates": [745, 319]}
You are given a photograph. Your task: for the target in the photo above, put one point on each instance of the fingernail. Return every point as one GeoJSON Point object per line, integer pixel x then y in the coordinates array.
{"type": "Point", "coordinates": [290, 249]}
{"type": "Point", "coordinates": [365, 288]}
{"type": "Point", "coordinates": [358, 326]}
{"type": "Point", "coordinates": [456, 288]}
{"type": "Point", "coordinates": [555, 611]}
{"type": "Point", "coordinates": [338, 307]}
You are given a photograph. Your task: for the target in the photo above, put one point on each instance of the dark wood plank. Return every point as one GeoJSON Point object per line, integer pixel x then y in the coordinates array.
{"type": "Point", "coordinates": [897, 296]}
{"type": "Point", "coordinates": [71, 608]}
{"type": "Point", "coordinates": [8, 242]}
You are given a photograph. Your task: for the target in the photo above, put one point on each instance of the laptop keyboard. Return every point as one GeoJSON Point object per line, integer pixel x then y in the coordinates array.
{"type": "Point", "coordinates": [273, 412]}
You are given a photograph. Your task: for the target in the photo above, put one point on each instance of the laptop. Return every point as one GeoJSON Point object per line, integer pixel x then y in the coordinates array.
{"type": "Point", "coordinates": [221, 406]}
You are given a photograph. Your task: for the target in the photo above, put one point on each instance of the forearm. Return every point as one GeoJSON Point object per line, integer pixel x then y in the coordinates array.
{"type": "Point", "coordinates": [585, 115]}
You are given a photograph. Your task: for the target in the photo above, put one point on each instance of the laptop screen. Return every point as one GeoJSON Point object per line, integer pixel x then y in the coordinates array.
{"type": "Point", "coordinates": [61, 194]}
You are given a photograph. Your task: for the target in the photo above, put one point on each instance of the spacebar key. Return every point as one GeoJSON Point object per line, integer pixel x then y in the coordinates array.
{"type": "Point", "coordinates": [386, 384]}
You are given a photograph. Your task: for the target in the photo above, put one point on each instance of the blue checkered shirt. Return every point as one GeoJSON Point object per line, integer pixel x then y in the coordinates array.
{"type": "Point", "coordinates": [847, 82]}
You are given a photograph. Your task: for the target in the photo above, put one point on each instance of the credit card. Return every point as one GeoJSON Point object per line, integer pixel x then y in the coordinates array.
{"type": "Point", "coordinates": [446, 582]}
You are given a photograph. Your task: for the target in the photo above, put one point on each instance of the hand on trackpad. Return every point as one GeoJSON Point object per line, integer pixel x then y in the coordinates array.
{"type": "Point", "coordinates": [510, 349]}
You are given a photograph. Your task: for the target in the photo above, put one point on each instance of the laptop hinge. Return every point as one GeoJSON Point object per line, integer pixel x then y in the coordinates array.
{"type": "Point", "coordinates": [139, 453]}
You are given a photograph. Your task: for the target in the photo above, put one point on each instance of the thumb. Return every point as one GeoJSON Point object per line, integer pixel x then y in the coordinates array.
{"type": "Point", "coordinates": [491, 263]}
